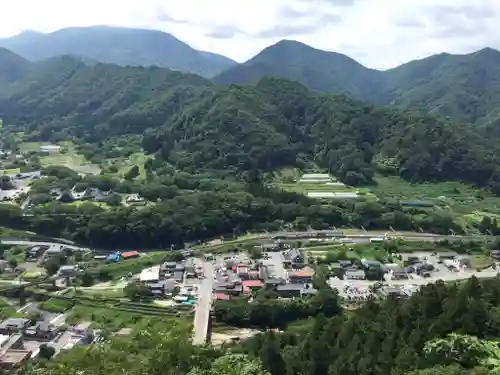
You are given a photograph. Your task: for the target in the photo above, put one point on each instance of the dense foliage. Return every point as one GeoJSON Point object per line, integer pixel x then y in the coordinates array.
{"type": "Point", "coordinates": [388, 337]}
{"type": "Point", "coordinates": [464, 87]}
{"type": "Point", "coordinates": [192, 125]}
{"type": "Point", "coordinates": [120, 46]}
{"type": "Point", "coordinates": [190, 209]}
{"type": "Point", "coordinates": [162, 348]}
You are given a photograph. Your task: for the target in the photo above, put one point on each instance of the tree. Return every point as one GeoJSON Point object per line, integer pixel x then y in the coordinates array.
{"type": "Point", "coordinates": [13, 262]}
{"type": "Point", "coordinates": [6, 183]}
{"type": "Point", "coordinates": [46, 351]}
{"type": "Point", "coordinates": [52, 266]}
{"type": "Point", "coordinates": [135, 291]}
{"type": "Point", "coordinates": [132, 173]}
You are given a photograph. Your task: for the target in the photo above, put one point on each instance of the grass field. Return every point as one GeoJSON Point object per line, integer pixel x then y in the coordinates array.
{"type": "Point", "coordinates": [68, 157]}
{"type": "Point", "coordinates": [464, 201]}
{"type": "Point", "coordinates": [124, 165]}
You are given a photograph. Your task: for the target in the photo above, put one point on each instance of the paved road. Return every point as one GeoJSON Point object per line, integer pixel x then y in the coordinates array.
{"type": "Point", "coordinates": [203, 306]}
{"type": "Point", "coordinates": [40, 243]}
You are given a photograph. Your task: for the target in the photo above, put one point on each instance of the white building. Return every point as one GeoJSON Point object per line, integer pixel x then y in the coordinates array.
{"type": "Point", "coordinates": [151, 274]}
{"type": "Point", "coordinates": [51, 149]}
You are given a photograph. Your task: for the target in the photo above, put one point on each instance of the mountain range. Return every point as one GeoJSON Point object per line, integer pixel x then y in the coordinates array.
{"type": "Point", "coordinates": [116, 45]}
{"type": "Point", "coordinates": [196, 124]}
{"type": "Point", "coordinates": [463, 87]}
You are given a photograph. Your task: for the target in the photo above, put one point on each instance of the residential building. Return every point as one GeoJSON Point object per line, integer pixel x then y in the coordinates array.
{"type": "Point", "coordinates": [68, 271]}
{"type": "Point", "coordinates": [273, 283]}
{"type": "Point", "coordinates": [345, 263]}
{"type": "Point", "coordinates": [222, 297]}
{"type": "Point", "coordinates": [446, 255]}
{"type": "Point", "coordinates": [14, 341]}
{"type": "Point", "coordinates": [134, 198]}
{"type": "Point", "coordinates": [169, 266]}
{"type": "Point", "coordinates": [42, 330]}
{"type": "Point", "coordinates": [178, 276]}
{"type": "Point", "coordinates": [4, 264]}
{"type": "Point", "coordinates": [293, 258]}
{"type": "Point", "coordinates": [84, 330]}
{"type": "Point", "coordinates": [13, 325]}
{"type": "Point", "coordinates": [50, 149]}
{"type": "Point", "coordinates": [55, 251]}
{"type": "Point", "coordinates": [399, 273]}
{"type": "Point", "coordinates": [14, 358]}
{"type": "Point", "coordinates": [410, 259]}
{"type": "Point", "coordinates": [150, 275]}
{"type": "Point", "coordinates": [355, 274]}
{"type": "Point", "coordinates": [253, 284]}
{"type": "Point", "coordinates": [37, 251]}
{"type": "Point", "coordinates": [370, 263]}
{"type": "Point", "coordinates": [130, 254]}
{"type": "Point", "coordinates": [170, 285]}
{"type": "Point", "coordinates": [495, 254]}
{"type": "Point", "coordinates": [228, 288]}
{"type": "Point", "coordinates": [289, 290]}
{"type": "Point", "coordinates": [301, 277]}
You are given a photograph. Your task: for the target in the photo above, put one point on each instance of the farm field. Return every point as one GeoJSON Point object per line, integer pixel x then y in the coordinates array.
{"type": "Point", "coordinates": [317, 185]}
{"type": "Point", "coordinates": [464, 201]}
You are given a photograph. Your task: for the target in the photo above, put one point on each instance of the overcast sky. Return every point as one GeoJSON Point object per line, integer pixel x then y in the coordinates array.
{"type": "Point", "coordinates": [377, 33]}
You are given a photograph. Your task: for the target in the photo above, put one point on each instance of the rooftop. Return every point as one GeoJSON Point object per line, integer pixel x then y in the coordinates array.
{"type": "Point", "coordinates": [150, 274]}
{"type": "Point", "coordinates": [128, 254]}
{"type": "Point", "coordinates": [253, 283]}
{"type": "Point", "coordinates": [302, 273]}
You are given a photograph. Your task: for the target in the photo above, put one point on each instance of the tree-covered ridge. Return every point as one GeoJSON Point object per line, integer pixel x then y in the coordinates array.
{"type": "Point", "coordinates": [195, 125]}
{"type": "Point", "coordinates": [463, 87]}
{"type": "Point", "coordinates": [393, 337]}
{"type": "Point", "coordinates": [156, 349]}
{"type": "Point", "coordinates": [12, 67]}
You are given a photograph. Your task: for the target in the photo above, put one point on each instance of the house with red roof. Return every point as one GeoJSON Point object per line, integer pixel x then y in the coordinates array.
{"type": "Point", "coordinates": [129, 255]}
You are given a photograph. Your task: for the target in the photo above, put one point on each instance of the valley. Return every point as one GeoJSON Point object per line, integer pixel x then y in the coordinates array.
{"type": "Point", "coordinates": [169, 211]}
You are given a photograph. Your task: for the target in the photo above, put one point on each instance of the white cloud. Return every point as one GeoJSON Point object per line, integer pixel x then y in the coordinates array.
{"type": "Point", "coordinates": [378, 33]}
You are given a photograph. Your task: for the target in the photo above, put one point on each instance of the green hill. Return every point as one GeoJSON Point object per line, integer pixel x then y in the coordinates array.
{"type": "Point", "coordinates": [196, 125]}
{"type": "Point", "coordinates": [463, 87]}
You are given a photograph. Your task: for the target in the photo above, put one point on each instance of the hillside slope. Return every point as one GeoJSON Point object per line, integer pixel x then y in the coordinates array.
{"type": "Point", "coordinates": [12, 67]}
{"type": "Point", "coordinates": [121, 46]}
{"type": "Point", "coordinates": [464, 87]}
{"type": "Point", "coordinates": [196, 125]}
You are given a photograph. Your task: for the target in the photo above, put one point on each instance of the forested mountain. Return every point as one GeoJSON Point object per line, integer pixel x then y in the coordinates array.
{"type": "Point", "coordinates": [121, 46]}
{"type": "Point", "coordinates": [196, 125]}
{"type": "Point", "coordinates": [12, 67]}
{"type": "Point", "coordinates": [465, 87]}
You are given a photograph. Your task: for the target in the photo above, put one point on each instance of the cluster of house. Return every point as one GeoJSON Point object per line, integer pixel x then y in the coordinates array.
{"type": "Point", "coordinates": [20, 340]}
{"type": "Point", "coordinates": [118, 256]}
{"type": "Point", "coordinates": [43, 252]}
{"type": "Point", "coordinates": [163, 279]}
{"type": "Point", "coordinates": [243, 278]}
{"type": "Point", "coordinates": [90, 194]}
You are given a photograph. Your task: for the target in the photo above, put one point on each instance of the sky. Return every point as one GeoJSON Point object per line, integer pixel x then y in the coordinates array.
{"type": "Point", "coordinates": [378, 33]}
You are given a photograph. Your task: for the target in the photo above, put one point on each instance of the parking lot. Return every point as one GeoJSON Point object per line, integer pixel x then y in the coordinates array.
{"type": "Point", "coordinates": [349, 287]}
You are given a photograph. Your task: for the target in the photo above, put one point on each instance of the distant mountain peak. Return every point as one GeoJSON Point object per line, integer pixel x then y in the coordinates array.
{"type": "Point", "coordinates": [120, 46]}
